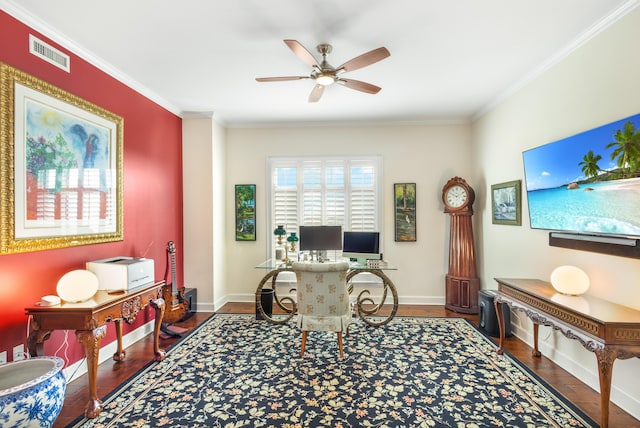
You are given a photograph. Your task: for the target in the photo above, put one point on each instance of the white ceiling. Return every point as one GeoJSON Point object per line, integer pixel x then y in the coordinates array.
{"type": "Point", "coordinates": [450, 60]}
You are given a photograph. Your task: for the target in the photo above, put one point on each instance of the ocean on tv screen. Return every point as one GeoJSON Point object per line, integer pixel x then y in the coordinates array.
{"type": "Point", "coordinates": [599, 208]}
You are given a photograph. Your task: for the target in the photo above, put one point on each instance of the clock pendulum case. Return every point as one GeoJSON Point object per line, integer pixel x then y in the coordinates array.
{"type": "Point", "coordinates": [462, 283]}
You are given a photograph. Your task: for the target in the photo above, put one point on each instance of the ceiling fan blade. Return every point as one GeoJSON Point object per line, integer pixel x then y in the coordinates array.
{"type": "Point", "coordinates": [365, 59]}
{"type": "Point", "coordinates": [359, 86]}
{"type": "Point", "coordinates": [302, 52]}
{"type": "Point", "coordinates": [316, 93]}
{"type": "Point", "coordinates": [280, 79]}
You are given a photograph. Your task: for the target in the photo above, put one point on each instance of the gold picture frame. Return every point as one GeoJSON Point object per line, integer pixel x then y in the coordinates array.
{"type": "Point", "coordinates": [61, 163]}
{"type": "Point", "coordinates": [506, 203]}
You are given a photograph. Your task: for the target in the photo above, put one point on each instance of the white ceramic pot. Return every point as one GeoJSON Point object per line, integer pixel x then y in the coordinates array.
{"type": "Point", "coordinates": [31, 392]}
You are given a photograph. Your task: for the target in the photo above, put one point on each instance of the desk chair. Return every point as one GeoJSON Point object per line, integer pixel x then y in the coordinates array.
{"type": "Point", "coordinates": [323, 299]}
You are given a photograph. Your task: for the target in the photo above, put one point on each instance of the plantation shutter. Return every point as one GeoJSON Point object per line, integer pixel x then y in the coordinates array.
{"type": "Point", "coordinates": [325, 191]}
{"type": "Point", "coordinates": [285, 196]}
{"type": "Point", "coordinates": [363, 197]}
{"type": "Point", "coordinates": [311, 193]}
{"type": "Point", "coordinates": [335, 194]}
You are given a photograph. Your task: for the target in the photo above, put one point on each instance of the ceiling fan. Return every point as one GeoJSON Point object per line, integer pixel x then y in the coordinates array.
{"type": "Point", "coordinates": [324, 74]}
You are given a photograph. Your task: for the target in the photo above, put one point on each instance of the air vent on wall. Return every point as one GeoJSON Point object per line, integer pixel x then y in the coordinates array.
{"type": "Point", "coordinates": [48, 53]}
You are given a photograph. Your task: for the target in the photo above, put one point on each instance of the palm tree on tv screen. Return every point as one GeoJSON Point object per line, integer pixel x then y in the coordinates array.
{"type": "Point", "coordinates": [627, 149]}
{"type": "Point", "coordinates": [589, 164]}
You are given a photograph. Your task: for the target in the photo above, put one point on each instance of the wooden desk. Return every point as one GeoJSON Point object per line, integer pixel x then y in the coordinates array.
{"type": "Point", "coordinates": [89, 319]}
{"type": "Point", "coordinates": [609, 330]}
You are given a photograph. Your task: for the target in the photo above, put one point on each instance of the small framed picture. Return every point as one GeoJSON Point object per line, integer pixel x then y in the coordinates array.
{"type": "Point", "coordinates": [405, 211]}
{"type": "Point", "coordinates": [245, 212]}
{"type": "Point", "coordinates": [506, 202]}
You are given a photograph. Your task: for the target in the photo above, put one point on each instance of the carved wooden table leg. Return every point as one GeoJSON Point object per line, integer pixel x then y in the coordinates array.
{"type": "Point", "coordinates": [35, 342]}
{"type": "Point", "coordinates": [120, 353]}
{"type": "Point", "coordinates": [605, 357]}
{"type": "Point", "coordinates": [159, 306]}
{"type": "Point", "coordinates": [90, 339]}
{"type": "Point", "coordinates": [498, 306]}
{"type": "Point", "coordinates": [536, 351]}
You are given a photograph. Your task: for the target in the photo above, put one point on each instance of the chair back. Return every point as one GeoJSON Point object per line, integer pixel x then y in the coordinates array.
{"type": "Point", "coordinates": [323, 297]}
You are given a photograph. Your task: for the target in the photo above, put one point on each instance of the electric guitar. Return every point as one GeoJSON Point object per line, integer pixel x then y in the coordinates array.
{"type": "Point", "coordinates": [176, 305]}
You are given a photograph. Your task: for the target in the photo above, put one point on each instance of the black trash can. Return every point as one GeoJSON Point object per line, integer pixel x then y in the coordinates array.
{"type": "Point", "coordinates": [266, 300]}
{"type": "Point", "coordinates": [487, 318]}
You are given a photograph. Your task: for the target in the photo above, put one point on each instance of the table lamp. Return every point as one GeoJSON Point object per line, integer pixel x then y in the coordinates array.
{"type": "Point", "coordinates": [291, 247]}
{"type": "Point", "coordinates": [280, 232]}
{"type": "Point", "coordinates": [77, 286]}
{"type": "Point", "coordinates": [569, 280]}
{"type": "Point", "coordinates": [292, 239]}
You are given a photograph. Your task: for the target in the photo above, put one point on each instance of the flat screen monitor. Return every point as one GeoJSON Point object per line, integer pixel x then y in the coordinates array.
{"type": "Point", "coordinates": [320, 238]}
{"type": "Point", "coordinates": [360, 246]}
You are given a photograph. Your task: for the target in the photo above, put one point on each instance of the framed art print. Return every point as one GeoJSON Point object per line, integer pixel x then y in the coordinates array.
{"type": "Point", "coordinates": [405, 211]}
{"type": "Point", "coordinates": [506, 203]}
{"type": "Point", "coordinates": [61, 162]}
{"type": "Point", "coordinates": [245, 204]}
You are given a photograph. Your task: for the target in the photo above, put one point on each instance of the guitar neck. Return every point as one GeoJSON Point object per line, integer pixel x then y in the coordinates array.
{"type": "Point", "coordinates": [174, 282]}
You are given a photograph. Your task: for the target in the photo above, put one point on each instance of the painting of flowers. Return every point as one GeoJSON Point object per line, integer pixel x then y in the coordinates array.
{"type": "Point", "coordinates": [63, 167]}
{"type": "Point", "coordinates": [66, 166]}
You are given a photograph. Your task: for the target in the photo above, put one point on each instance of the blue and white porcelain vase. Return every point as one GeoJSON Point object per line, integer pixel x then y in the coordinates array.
{"type": "Point", "coordinates": [31, 392]}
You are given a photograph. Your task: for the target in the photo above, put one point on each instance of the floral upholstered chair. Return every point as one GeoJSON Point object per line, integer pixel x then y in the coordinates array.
{"type": "Point", "coordinates": [323, 299]}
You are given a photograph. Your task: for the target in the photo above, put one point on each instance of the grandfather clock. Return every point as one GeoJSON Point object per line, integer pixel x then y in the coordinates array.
{"type": "Point", "coordinates": [462, 283]}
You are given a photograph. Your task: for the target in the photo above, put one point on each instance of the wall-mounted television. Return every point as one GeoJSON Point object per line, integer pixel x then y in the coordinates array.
{"type": "Point", "coordinates": [588, 183]}
{"type": "Point", "coordinates": [360, 246]}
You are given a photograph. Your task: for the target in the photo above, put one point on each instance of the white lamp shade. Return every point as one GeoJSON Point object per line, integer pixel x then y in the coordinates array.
{"type": "Point", "coordinates": [569, 280]}
{"type": "Point", "coordinates": [77, 286]}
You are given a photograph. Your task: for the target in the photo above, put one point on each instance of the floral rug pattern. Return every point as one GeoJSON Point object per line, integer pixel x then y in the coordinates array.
{"type": "Point", "coordinates": [234, 371]}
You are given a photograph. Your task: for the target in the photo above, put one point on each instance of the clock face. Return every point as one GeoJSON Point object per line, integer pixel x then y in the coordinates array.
{"type": "Point", "coordinates": [456, 196]}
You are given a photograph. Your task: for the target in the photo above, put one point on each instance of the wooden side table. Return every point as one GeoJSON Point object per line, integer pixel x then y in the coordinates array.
{"type": "Point", "coordinates": [89, 320]}
{"type": "Point", "coordinates": [609, 330]}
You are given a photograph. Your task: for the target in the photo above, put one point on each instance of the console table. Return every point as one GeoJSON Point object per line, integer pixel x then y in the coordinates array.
{"type": "Point", "coordinates": [89, 319]}
{"type": "Point", "coordinates": [367, 308]}
{"type": "Point", "coordinates": [609, 330]}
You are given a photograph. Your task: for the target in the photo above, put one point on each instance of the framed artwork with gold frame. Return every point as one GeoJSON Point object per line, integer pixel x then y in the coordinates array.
{"type": "Point", "coordinates": [61, 167]}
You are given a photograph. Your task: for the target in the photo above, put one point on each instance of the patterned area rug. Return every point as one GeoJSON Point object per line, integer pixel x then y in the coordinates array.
{"type": "Point", "coordinates": [234, 371]}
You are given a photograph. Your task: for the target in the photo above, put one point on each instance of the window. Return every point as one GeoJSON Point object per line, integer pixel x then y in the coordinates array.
{"type": "Point", "coordinates": [325, 191]}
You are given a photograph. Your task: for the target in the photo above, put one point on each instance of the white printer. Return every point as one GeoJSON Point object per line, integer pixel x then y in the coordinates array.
{"type": "Point", "coordinates": [122, 272]}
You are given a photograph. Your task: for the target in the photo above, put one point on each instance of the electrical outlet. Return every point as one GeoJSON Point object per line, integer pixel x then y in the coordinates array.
{"type": "Point", "coordinates": [3, 357]}
{"type": "Point", "coordinates": [18, 352]}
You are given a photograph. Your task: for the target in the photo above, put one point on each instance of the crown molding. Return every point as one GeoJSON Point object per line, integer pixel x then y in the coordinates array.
{"type": "Point", "coordinates": [42, 27]}
{"type": "Point", "coordinates": [559, 56]}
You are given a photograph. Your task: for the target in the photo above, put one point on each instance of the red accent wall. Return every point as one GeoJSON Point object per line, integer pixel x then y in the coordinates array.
{"type": "Point", "coordinates": [152, 192]}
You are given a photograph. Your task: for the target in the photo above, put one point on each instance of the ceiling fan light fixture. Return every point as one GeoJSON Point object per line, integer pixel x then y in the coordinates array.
{"type": "Point", "coordinates": [324, 74]}
{"type": "Point", "coordinates": [325, 79]}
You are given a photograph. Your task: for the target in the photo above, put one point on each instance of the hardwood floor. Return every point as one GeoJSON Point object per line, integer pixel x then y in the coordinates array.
{"type": "Point", "coordinates": [111, 373]}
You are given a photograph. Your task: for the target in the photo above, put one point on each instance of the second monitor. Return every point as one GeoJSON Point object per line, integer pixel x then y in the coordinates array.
{"type": "Point", "coordinates": [360, 246]}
